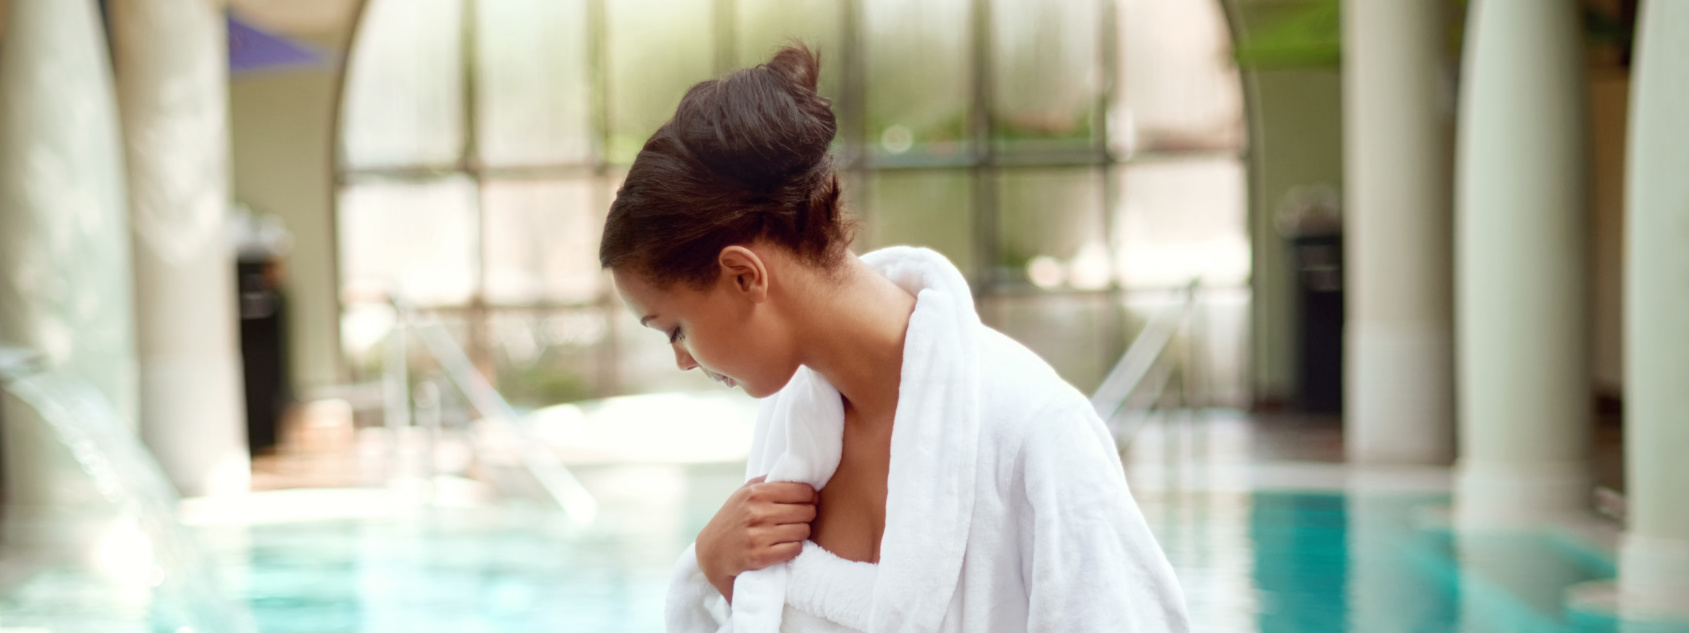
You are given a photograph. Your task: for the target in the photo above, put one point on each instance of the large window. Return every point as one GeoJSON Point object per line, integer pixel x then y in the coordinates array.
{"type": "Point", "coordinates": [1076, 159]}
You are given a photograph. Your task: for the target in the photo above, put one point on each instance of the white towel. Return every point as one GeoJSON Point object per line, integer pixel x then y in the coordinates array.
{"type": "Point", "coordinates": [804, 445]}
{"type": "Point", "coordinates": [1063, 547]}
{"type": "Point", "coordinates": [828, 594]}
{"type": "Point", "coordinates": [935, 410]}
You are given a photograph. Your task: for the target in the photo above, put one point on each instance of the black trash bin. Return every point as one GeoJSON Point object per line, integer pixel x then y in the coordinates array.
{"type": "Point", "coordinates": [1318, 261]}
{"type": "Point", "coordinates": [263, 347]}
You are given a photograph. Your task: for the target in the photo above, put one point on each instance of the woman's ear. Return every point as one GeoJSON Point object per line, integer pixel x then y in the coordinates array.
{"type": "Point", "coordinates": [745, 271]}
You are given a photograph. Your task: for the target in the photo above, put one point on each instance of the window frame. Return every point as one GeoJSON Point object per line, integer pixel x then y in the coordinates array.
{"type": "Point", "coordinates": [984, 161]}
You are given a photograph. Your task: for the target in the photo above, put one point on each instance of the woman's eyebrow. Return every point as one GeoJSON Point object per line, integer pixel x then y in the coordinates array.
{"type": "Point", "coordinates": [645, 318]}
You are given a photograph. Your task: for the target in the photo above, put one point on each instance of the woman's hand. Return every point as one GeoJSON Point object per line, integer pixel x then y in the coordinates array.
{"type": "Point", "coordinates": [760, 525]}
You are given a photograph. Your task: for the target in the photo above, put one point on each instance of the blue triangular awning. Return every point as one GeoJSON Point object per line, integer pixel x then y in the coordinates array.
{"type": "Point", "coordinates": [252, 49]}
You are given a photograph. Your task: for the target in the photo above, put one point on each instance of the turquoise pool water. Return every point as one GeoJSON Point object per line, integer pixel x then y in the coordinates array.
{"type": "Point", "coordinates": [1269, 561]}
{"type": "Point", "coordinates": [452, 571]}
{"type": "Point", "coordinates": [1329, 562]}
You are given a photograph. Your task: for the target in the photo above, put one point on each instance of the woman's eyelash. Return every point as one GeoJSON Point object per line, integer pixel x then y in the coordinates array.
{"type": "Point", "coordinates": [675, 336]}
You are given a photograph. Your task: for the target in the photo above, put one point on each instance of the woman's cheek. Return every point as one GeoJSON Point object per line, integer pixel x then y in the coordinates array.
{"type": "Point", "coordinates": [708, 356]}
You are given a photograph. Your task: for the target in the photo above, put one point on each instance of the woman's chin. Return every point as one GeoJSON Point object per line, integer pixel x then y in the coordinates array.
{"type": "Point", "coordinates": [757, 393]}
{"type": "Point", "coordinates": [732, 383]}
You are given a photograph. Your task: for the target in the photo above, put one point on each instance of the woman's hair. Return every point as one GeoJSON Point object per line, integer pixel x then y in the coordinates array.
{"type": "Point", "coordinates": [745, 157]}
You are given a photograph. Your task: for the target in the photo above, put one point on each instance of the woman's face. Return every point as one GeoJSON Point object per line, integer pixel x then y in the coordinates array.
{"type": "Point", "coordinates": [727, 330]}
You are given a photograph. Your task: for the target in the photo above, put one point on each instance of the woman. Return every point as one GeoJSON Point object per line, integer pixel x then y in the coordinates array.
{"type": "Point", "coordinates": [923, 472]}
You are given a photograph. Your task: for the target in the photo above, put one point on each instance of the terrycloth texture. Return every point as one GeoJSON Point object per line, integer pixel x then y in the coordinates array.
{"type": "Point", "coordinates": [804, 442]}
{"type": "Point", "coordinates": [797, 620]}
{"type": "Point", "coordinates": [937, 407]}
{"type": "Point", "coordinates": [1006, 506]}
{"type": "Point", "coordinates": [825, 593]}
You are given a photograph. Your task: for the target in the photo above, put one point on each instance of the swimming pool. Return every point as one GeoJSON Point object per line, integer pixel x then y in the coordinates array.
{"type": "Point", "coordinates": [1269, 560]}
{"type": "Point", "coordinates": [1302, 561]}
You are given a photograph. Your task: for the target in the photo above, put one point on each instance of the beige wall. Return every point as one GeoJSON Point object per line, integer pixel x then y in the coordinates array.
{"type": "Point", "coordinates": [1296, 140]}
{"type": "Point", "coordinates": [1609, 106]}
{"type": "Point", "coordinates": [283, 162]}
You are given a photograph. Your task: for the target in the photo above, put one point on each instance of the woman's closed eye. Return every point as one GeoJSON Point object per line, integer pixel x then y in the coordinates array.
{"type": "Point", "coordinates": [676, 336]}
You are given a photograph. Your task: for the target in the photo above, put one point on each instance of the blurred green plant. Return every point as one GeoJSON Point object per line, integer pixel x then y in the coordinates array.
{"type": "Point", "coordinates": [1075, 129]}
{"type": "Point", "coordinates": [1291, 35]}
{"type": "Point", "coordinates": [539, 385]}
{"type": "Point", "coordinates": [1309, 33]}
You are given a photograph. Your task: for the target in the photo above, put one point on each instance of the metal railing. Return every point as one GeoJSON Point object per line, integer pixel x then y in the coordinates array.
{"type": "Point", "coordinates": [539, 462]}
{"type": "Point", "coordinates": [1136, 384]}
{"type": "Point", "coordinates": [1134, 387]}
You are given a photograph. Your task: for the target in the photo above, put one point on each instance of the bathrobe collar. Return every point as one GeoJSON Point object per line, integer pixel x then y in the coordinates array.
{"type": "Point", "coordinates": [934, 447]}
{"type": "Point", "coordinates": [934, 444]}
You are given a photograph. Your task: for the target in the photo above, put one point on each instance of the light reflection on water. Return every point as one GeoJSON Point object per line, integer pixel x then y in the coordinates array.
{"type": "Point", "coordinates": [1304, 563]}
{"type": "Point", "coordinates": [1250, 560]}
{"type": "Point", "coordinates": [511, 568]}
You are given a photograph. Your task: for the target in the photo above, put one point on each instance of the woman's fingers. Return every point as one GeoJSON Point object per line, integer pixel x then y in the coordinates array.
{"type": "Point", "coordinates": [783, 513]}
{"type": "Point", "coordinates": [790, 533]}
{"type": "Point", "coordinates": [783, 492]}
{"type": "Point", "coordinates": [764, 538]}
{"type": "Point", "coordinates": [779, 553]}
{"type": "Point", "coordinates": [764, 513]}
{"type": "Point", "coordinates": [767, 514]}
{"type": "Point", "coordinates": [760, 524]}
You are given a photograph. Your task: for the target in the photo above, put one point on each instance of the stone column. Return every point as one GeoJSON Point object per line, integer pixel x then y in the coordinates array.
{"type": "Point", "coordinates": [1399, 406]}
{"type": "Point", "coordinates": [1654, 559]}
{"type": "Point", "coordinates": [173, 93]}
{"type": "Point", "coordinates": [1523, 371]}
{"type": "Point", "coordinates": [65, 284]}
{"type": "Point", "coordinates": [65, 281]}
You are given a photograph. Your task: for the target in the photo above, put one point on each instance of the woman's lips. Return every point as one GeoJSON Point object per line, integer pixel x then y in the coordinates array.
{"type": "Point", "coordinates": [722, 379]}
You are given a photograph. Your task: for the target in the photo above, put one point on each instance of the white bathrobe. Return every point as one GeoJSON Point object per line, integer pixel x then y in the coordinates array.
{"type": "Point", "coordinates": [1006, 507]}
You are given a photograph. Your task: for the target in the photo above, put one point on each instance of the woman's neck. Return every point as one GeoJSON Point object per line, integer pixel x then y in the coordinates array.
{"type": "Point", "coordinates": [853, 335]}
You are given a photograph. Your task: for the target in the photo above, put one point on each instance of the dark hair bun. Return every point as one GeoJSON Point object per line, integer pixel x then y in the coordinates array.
{"type": "Point", "coordinates": [760, 126]}
{"type": "Point", "coordinates": [744, 158]}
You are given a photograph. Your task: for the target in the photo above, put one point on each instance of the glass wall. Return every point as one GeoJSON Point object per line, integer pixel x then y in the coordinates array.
{"type": "Point", "coordinates": [1076, 159]}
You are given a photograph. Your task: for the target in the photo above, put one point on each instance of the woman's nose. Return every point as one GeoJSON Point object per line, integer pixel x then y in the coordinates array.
{"type": "Point", "coordinates": [683, 359]}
